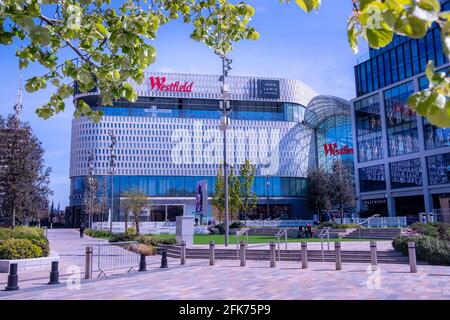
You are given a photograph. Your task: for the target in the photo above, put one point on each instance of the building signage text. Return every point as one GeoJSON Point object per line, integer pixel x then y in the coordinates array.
{"type": "Point", "coordinates": [331, 149]}
{"type": "Point", "coordinates": [159, 83]}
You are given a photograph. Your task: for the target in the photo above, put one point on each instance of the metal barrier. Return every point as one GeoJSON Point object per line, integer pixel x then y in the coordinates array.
{"type": "Point", "coordinates": [118, 255]}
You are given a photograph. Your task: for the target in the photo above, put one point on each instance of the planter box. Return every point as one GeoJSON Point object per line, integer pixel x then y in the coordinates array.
{"type": "Point", "coordinates": [24, 264]}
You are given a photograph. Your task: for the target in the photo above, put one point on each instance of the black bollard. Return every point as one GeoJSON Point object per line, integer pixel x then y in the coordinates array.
{"type": "Point", "coordinates": [54, 274]}
{"type": "Point", "coordinates": [164, 258]}
{"type": "Point", "coordinates": [13, 278]}
{"type": "Point", "coordinates": [142, 263]}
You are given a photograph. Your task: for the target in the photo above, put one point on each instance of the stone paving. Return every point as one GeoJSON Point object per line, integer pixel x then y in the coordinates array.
{"type": "Point", "coordinates": [227, 280]}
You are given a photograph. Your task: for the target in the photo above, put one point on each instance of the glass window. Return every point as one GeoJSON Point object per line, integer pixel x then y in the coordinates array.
{"type": "Point", "coordinates": [372, 178]}
{"type": "Point", "coordinates": [406, 174]}
{"type": "Point", "coordinates": [368, 129]}
{"type": "Point", "coordinates": [439, 169]}
{"type": "Point", "coordinates": [401, 120]}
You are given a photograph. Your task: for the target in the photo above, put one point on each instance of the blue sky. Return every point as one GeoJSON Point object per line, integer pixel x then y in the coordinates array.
{"type": "Point", "coordinates": [312, 48]}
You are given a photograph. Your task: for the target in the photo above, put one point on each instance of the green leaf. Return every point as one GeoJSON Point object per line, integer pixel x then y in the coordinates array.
{"type": "Point", "coordinates": [308, 5]}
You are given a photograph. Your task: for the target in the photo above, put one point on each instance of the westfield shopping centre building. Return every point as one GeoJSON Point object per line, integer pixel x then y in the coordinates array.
{"type": "Point", "coordinates": [169, 140]}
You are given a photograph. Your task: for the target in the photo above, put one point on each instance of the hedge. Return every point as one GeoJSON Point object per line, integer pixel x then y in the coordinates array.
{"type": "Point", "coordinates": [19, 249]}
{"type": "Point", "coordinates": [21, 233]}
{"type": "Point", "coordinates": [432, 250]}
{"type": "Point", "coordinates": [23, 243]}
{"type": "Point", "coordinates": [98, 233]}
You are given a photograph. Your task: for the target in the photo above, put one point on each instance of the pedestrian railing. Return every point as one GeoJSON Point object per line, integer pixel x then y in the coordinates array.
{"type": "Point", "coordinates": [375, 222]}
{"type": "Point", "coordinates": [242, 232]}
{"type": "Point", "coordinates": [118, 255]}
{"type": "Point", "coordinates": [324, 233]}
{"type": "Point", "coordinates": [281, 233]}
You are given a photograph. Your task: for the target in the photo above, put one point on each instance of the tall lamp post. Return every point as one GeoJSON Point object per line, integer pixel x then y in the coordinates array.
{"type": "Point", "coordinates": [112, 169]}
{"type": "Point", "coordinates": [225, 108]}
{"type": "Point", "coordinates": [91, 184]}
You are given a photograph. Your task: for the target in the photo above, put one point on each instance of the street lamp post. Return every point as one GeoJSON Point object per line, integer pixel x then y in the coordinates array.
{"type": "Point", "coordinates": [225, 107]}
{"type": "Point", "coordinates": [112, 167]}
{"type": "Point", "coordinates": [91, 184]}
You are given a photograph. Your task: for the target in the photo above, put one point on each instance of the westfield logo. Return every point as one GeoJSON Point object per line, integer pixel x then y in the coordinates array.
{"type": "Point", "coordinates": [332, 150]}
{"type": "Point", "coordinates": [159, 83]}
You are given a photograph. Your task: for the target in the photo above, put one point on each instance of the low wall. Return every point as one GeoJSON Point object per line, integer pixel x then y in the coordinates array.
{"type": "Point", "coordinates": [26, 264]}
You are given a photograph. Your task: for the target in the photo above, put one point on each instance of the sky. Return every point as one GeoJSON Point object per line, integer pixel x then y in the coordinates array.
{"type": "Point", "coordinates": [311, 47]}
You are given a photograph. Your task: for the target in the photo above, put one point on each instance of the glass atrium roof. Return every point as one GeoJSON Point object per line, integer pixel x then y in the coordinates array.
{"type": "Point", "coordinates": [322, 107]}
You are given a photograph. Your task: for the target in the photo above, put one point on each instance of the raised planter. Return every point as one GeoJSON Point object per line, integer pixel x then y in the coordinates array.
{"type": "Point", "coordinates": [24, 264]}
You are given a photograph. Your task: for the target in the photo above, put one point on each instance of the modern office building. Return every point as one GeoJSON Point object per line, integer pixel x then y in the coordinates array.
{"type": "Point", "coordinates": [169, 140]}
{"type": "Point", "coordinates": [402, 162]}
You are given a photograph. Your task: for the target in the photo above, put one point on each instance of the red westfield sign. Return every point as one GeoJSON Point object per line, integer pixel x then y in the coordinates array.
{"type": "Point", "coordinates": [159, 83]}
{"type": "Point", "coordinates": [332, 150]}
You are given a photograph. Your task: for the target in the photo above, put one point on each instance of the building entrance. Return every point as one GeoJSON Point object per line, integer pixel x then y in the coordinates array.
{"type": "Point", "coordinates": [374, 206]}
{"type": "Point", "coordinates": [409, 207]}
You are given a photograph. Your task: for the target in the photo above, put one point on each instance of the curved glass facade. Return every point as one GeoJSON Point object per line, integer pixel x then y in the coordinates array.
{"type": "Point", "coordinates": [334, 140]}
{"type": "Point", "coordinates": [201, 109]}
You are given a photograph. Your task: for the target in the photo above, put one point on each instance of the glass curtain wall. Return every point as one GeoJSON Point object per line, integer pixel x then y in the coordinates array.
{"type": "Point", "coordinates": [403, 136]}
{"type": "Point", "coordinates": [334, 133]}
{"type": "Point", "coordinates": [368, 129]}
{"type": "Point", "coordinates": [439, 169]}
{"type": "Point", "coordinates": [372, 178]}
{"type": "Point", "coordinates": [406, 174]}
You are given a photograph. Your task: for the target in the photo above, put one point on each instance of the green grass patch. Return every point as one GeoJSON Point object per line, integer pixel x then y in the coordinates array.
{"type": "Point", "coordinates": [219, 239]}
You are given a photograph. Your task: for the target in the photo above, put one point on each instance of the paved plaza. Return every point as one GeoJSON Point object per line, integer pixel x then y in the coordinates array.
{"type": "Point", "coordinates": [227, 280]}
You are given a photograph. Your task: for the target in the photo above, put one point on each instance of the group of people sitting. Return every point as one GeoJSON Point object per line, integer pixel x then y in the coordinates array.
{"type": "Point", "coordinates": [305, 232]}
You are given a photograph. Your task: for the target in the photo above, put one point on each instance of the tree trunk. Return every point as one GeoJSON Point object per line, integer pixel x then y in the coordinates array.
{"type": "Point", "coordinates": [126, 221]}
{"type": "Point", "coordinates": [101, 221]}
{"type": "Point", "coordinates": [136, 222]}
{"type": "Point", "coordinates": [13, 222]}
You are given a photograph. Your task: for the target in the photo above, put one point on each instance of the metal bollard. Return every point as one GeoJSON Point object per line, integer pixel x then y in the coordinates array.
{"type": "Point", "coordinates": [304, 255]}
{"type": "Point", "coordinates": [242, 254]}
{"type": "Point", "coordinates": [273, 262]}
{"type": "Point", "coordinates": [373, 254]}
{"type": "Point", "coordinates": [54, 274]}
{"type": "Point", "coordinates": [13, 278]}
{"type": "Point", "coordinates": [212, 253]}
{"type": "Point", "coordinates": [142, 263]}
{"type": "Point", "coordinates": [164, 259]}
{"type": "Point", "coordinates": [183, 252]}
{"type": "Point", "coordinates": [412, 257]}
{"type": "Point", "coordinates": [88, 263]}
{"type": "Point", "coordinates": [337, 252]}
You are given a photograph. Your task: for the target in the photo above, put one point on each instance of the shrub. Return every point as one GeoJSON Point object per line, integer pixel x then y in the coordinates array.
{"type": "Point", "coordinates": [429, 249]}
{"type": "Point", "coordinates": [144, 249]}
{"type": "Point", "coordinates": [121, 237]}
{"type": "Point", "coordinates": [154, 240]}
{"type": "Point", "coordinates": [236, 225]}
{"type": "Point", "coordinates": [348, 226]}
{"type": "Point", "coordinates": [98, 233]}
{"type": "Point", "coordinates": [19, 249]}
{"type": "Point", "coordinates": [327, 224]}
{"type": "Point", "coordinates": [6, 233]}
{"type": "Point", "coordinates": [43, 244]}
{"type": "Point", "coordinates": [131, 231]}
{"type": "Point", "coordinates": [220, 228]}
{"type": "Point", "coordinates": [21, 232]}
{"type": "Point", "coordinates": [434, 229]}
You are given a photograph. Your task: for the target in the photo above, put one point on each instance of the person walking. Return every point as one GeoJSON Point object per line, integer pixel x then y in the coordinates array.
{"type": "Point", "coordinates": [82, 227]}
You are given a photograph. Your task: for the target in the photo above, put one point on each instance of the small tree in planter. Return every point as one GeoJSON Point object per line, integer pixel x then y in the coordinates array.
{"type": "Point", "coordinates": [341, 186]}
{"type": "Point", "coordinates": [134, 202]}
{"type": "Point", "coordinates": [218, 198]}
{"type": "Point", "coordinates": [319, 198]}
{"type": "Point", "coordinates": [248, 196]}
